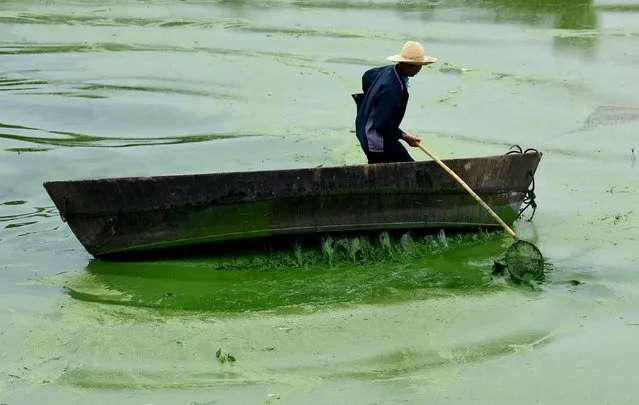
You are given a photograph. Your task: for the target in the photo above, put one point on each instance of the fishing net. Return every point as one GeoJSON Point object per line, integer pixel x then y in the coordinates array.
{"type": "Point", "coordinates": [524, 261]}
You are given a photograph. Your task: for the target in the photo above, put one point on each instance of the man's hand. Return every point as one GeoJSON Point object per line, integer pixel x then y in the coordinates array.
{"type": "Point", "coordinates": [411, 140]}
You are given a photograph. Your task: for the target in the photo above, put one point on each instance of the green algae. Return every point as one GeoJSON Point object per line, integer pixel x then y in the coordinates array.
{"type": "Point", "coordinates": [343, 271]}
{"type": "Point", "coordinates": [446, 343]}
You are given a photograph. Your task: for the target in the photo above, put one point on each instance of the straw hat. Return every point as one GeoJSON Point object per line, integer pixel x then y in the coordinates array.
{"type": "Point", "coordinates": [412, 53]}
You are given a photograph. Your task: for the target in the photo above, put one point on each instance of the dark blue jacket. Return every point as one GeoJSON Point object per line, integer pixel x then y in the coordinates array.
{"type": "Point", "coordinates": [381, 109]}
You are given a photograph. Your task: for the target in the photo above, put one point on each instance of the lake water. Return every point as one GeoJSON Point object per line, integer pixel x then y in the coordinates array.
{"type": "Point", "coordinates": [104, 89]}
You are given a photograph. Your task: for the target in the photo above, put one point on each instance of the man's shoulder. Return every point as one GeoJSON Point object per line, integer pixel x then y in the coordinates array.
{"type": "Point", "coordinates": [383, 75]}
{"type": "Point", "coordinates": [379, 70]}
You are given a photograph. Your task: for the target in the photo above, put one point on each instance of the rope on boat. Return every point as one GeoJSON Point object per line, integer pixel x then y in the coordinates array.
{"type": "Point", "coordinates": [519, 150]}
{"type": "Point", "coordinates": [529, 198]}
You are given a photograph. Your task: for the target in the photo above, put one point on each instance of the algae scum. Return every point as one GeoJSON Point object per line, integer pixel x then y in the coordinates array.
{"type": "Point", "coordinates": [127, 88]}
{"type": "Point", "coordinates": [354, 269]}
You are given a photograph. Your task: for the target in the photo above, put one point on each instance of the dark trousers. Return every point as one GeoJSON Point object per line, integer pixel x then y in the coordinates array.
{"type": "Point", "coordinates": [398, 154]}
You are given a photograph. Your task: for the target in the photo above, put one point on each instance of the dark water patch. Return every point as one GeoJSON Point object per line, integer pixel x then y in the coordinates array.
{"type": "Point", "coordinates": [296, 30]}
{"type": "Point", "coordinates": [8, 84]}
{"type": "Point", "coordinates": [22, 219]}
{"type": "Point", "coordinates": [567, 14]}
{"type": "Point", "coordinates": [72, 139]}
{"type": "Point", "coordinates": [13, 126]}
{"type": "Point", "coordinates": [621, 8]}
{"type": "Point", "coordinates": [97, 21]}
{"type": "Point", "coordinates": [69, 94]}
{"type": "Point", "coordinates": [160, 90]}
{"type": "Point", "coordinates": [575, 14]}
{"type": "Point", "coordinates": [572, 13]}
{"type": "Point", "coordinates": [370, 5]}
{"type": "Point", "coordinates": [27, 86]}
{"type": "Point", "coordinates": [99, 91]}
{"type": "Point", "coordinates": [272, 280]}
{"type": "Point", "coordinates": [624, 34]}
{"type": "Point", "coordinates": [20, 224]}
{"type": "Point", "coordinates": [122, 379]}
{"type": "Point", "coordinates": [527, 5]}
{"type": "Point", "coordinates": [35, 48]}
{"type": "Point", "coordinates": [181, 24]}
{"type": "Point", "coordinates": [29, 49]}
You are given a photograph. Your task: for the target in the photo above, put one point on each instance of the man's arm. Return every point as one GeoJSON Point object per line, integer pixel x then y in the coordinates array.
{"type": "Point", "coordinates": [410, 139]}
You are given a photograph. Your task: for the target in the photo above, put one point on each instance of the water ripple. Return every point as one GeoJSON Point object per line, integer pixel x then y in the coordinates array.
{"type": "Point", "coordinates": [96, 21]}
{"type": "Point", "coordinates": [26, 218]}
{"type": "Point", "coordinates": [37, 48]}
{"type": "Point", "coordinates": [71, 139]}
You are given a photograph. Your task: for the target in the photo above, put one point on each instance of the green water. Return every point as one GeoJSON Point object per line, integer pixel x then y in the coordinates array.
{"type": "Point", "coordinates": [100, 89]}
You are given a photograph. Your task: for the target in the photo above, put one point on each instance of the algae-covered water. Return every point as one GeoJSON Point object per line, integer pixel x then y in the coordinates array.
{"type": "Point", "coordinates": [100, 89]}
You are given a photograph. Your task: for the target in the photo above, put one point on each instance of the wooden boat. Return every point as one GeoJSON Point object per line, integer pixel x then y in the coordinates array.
{"type": "Point", "coordinates": [127, 217]}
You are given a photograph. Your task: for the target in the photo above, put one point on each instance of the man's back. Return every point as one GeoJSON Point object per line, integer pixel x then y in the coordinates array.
{"type": "Point", "coordinates": [382, 109]}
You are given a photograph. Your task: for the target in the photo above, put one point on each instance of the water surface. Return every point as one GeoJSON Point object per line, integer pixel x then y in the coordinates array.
{"type": "Point", "coordinates": [98, 89]}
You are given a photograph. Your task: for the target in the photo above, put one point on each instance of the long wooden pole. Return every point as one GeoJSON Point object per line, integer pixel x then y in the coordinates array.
{"type": "Point", "coordinates": [470, 191]}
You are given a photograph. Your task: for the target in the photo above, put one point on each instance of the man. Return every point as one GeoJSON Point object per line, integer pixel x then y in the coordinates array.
{"type": "Point", "coordinates": [381, 106]}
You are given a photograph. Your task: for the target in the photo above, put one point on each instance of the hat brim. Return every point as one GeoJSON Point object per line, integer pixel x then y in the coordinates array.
{"type": "Point", "coordinates": [425, 61]}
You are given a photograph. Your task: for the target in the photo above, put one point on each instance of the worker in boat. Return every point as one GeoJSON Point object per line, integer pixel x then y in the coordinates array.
{"type": "Point", "coordinates": [381, 106]}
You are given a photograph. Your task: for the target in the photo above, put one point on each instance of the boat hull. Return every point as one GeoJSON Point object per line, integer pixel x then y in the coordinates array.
{"type": "Point", "coordinates": [126, 216]}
